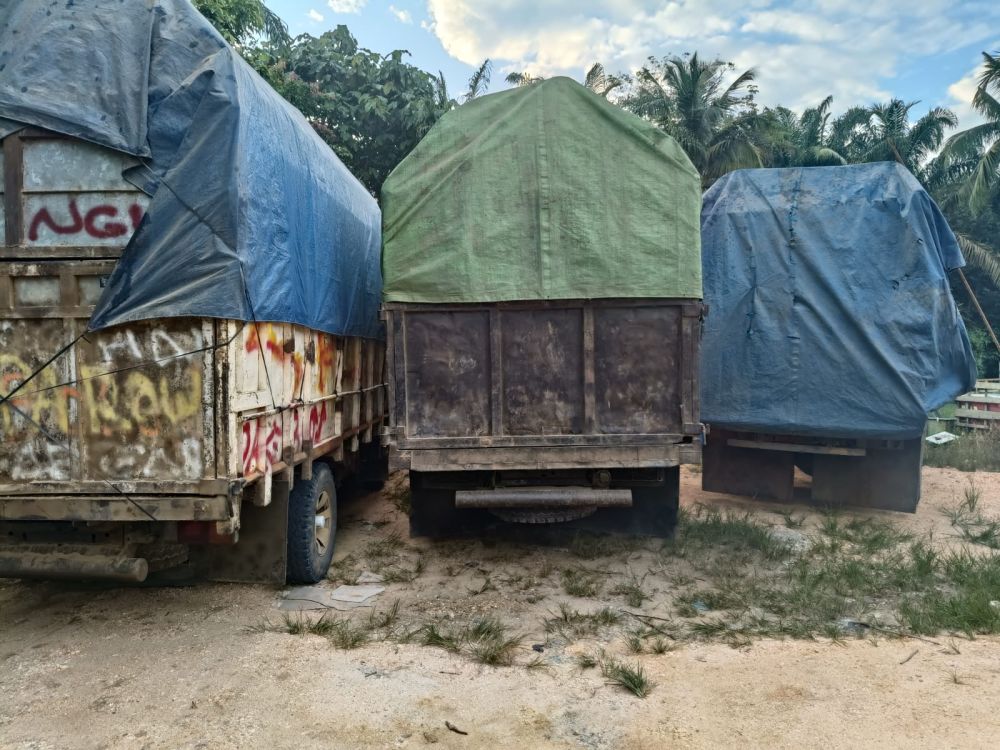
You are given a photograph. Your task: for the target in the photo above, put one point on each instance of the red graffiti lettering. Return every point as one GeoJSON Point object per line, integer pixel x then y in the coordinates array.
{"type": "Point", "coordinates": [44, 217]}
{"type": "Point", "coordinates": [89, 223]}
{"type": "Point", "coordinates": [135, 213]}
{"type": "Point", "coordinates": [110, 228]}
{"type": "Point", "coordinates": [272, 445]}
{"type": "Point", "coordinates": [250, 446]}
{"type": "Point", "coordinates": [316, 421]}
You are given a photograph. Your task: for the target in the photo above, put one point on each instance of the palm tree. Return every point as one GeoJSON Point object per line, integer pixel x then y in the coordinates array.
{"type": "Point", "coordinates": [883, 132]}
{"type": "Point", "coordinates": [976, 151]}
{"type": "Point", "coordinates": [596, 79]}
{"type": "Point", "coordinates": [479, 81]}
{"type": "Point", "coordinates": [522, 79]}
{"type": "Point", "coordinates": [714, 123]}
{"type": "Point", "coordinates": [791, 140]}
{"type": "Point", "coordinates": [600, 81]}
{"type": "Point", "coordinates": [441, 98]}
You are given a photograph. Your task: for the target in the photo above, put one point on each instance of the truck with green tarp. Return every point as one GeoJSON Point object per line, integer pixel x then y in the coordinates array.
{"type": "Point", "coordinates": [542, 298]}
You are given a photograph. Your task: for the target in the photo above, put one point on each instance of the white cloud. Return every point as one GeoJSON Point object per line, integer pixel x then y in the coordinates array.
{"type": "Point", "coordinates": [802, 50]}
{"type": "Point", "coordinates": [315, 15]}
{"type": "Point", "coordinates": [403, 16]}
{"type": "Point", "coordinates": [346, 6]}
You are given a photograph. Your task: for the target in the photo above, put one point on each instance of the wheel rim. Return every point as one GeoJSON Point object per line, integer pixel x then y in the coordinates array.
{"type": "Point", "coordinates": [323, 523]}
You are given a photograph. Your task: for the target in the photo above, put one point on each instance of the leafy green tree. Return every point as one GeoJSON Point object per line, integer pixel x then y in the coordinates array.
{"type": "Point", "coordinates": [372, 109]}
{"type": "Point", "coordinates": [715, 123]}
{"type": "Point", "coordinates": [242, 22]}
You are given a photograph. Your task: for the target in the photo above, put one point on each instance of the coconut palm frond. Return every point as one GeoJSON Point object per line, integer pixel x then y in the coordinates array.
{"type": "Point", "coordinates": [981, 257]}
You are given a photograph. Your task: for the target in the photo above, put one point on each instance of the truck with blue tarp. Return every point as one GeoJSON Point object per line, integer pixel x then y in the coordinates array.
{"type": "Point", "coordinates": [832, 332]}
{"type": "Point", "coordinates": [190, 353]}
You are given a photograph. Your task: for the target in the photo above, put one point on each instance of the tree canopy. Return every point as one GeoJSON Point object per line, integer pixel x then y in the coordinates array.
{"type": "Point", "coordinates": [373, 109]}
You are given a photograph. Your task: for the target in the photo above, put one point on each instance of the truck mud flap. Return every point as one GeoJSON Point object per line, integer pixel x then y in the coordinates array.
{"type": "Point", "coordinates": [261, 553]}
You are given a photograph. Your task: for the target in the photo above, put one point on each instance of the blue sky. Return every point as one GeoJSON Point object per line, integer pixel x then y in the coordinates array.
{"type": "Point", "coordinates": [857, 50]}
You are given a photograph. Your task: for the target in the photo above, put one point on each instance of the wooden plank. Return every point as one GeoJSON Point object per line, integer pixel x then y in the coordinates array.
{"type": "Point", "coordinates": [496, 373]}
{"type": "Point", "coordinates": [694, 306]}
{"type": "Point", "coordinates": [567, 457]}
{"type": "Point", "coordinates": [13, 184]}
{"type": "Point", "coordinates": [505, 441]}
{"type": "Point", "coordinates": [977, 414]}
{"type": "Point", "coordinates": [115, 507]}
{"type": "Point", "coordinates": [589, 368]}
{"type": "Point", "coordinates": [825, 450]}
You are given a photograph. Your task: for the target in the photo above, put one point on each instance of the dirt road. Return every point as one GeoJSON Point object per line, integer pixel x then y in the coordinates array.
{"type": "Point", "coordinates": [199, 667]}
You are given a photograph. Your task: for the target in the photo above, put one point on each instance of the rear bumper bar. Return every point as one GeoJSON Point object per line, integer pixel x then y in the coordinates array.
{"type": "Point", "coordinates": [543, 497]}
{"type": "Point", "coordinates": [115, 508]}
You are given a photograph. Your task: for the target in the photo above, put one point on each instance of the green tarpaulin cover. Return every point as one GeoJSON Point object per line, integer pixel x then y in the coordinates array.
{"type": "Point", "coordinates": [542, 192]}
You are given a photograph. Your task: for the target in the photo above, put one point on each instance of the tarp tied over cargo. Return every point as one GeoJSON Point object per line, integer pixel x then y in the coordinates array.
{"type": "Point", "coordinates": [252, 216]}
{"type": "Point", "coordinates": [542, 192]}
{"type": "Point", "coordinates": [829, 307]}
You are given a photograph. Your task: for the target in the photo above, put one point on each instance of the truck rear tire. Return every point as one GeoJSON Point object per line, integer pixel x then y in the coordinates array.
{"type": "Point", "coordinates": [312, 526]}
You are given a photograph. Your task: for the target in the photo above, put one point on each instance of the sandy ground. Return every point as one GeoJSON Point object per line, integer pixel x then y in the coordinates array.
{"type": "Point", "coordinates": [95, 667]}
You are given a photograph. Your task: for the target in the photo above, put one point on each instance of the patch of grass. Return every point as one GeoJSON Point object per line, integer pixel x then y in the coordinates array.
{"type": "Point", "coordinates": [485, 640]}
{"type": "Point", "coordinates": [434, 635]}
{"type": "Point", "coordinates": [395, 574]}
{"type": "Point", "coordinates": [791, 521]}
{"type": "Point", "coordinates": [296, 625]}
{"type": "Point", "coordinates": [341, 632]}
{"type": "Point", "coordinates": [634, 643]}
{"type": "Point", "coordinates": [384, 620]}
{"type": "Point", "coordinates": [496, 652]}
{"type": "Point", "coordinates": [586, 661]}
{"type": "Point", "coordinates": [537, 663]}
{"type": "Point", "coordinates": [384, 547]}
{"type": "Point", "coordinates": [581, 583]}
{"type": "Point", "coordinates": [572, 624]}
{"type": "Point", "coordinates": [631, 678]}
{"type": "Point", "coordinates": [590, 546]}
{"type": "Point", "coordinates": [488, 642]}
{"type": "Point", "coordinates": [662, 646]}
{"type": "Point", "coordinates": [711, 529]}
{"type": "Point", "coordinates": [347, 636]}
{"type": "Point", "coordinates": [974, 451]}
{"type": "Point", "coordinates": [972, 525]}
{"type": "Point", "coordinates": [962, 601]}
{"type": "Point", "coordinates": [632, 591]}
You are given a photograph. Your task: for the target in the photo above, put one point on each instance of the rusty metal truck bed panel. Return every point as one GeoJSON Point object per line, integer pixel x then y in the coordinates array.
{"type": "Point", "coordinates": [514, 385]}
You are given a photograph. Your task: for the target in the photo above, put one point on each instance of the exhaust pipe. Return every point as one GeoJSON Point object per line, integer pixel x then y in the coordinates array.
{"type": "Point", "coordinates": [64, 565]}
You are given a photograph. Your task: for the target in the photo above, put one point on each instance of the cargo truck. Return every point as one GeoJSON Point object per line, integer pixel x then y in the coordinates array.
{"type": "Point", "coordinates": [833, 333]}
{"type": "Point", "coordinates": [190, 354]}
{"type": "Point", "coordinates": [543, 309]}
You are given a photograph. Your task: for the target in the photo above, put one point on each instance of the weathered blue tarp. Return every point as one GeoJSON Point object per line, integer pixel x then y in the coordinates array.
{"type": "Point", "coordinates": [829, 307]}
{"type": "Point", "coordinates": [252, 215]}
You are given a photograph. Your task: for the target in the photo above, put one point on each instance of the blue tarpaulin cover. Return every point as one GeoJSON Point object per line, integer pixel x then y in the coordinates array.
{"type": "Point", "coordinates": [829, 307]}
{"type": "Point", "coordinates": [252, 216]}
